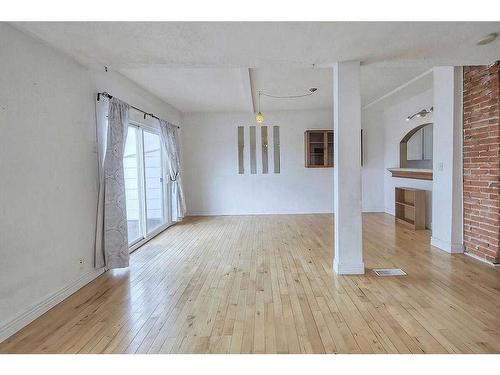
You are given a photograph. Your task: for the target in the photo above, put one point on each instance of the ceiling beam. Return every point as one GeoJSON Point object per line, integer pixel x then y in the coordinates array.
{"type": "Point", "coordinates": [399, 88]}
{"type": "Point", "coordinates": [251, 74]}
{"type": "Point", "coordinates": [246, 77]}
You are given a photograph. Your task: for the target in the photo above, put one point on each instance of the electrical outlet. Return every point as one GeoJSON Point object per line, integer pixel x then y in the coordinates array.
{"type": "Point", "coordinates": [81, 262]}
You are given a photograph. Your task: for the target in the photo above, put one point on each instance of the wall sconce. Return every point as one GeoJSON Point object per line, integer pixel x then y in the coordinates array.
{"type": "Point", "coordinates": [422, 113]}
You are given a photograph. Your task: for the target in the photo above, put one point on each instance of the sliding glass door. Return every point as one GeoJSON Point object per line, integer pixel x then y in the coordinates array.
{"type": "Point", "coordinates": [133, 184]}
{"type": "Point", "coordinates": [153, 181]}
{"type": "Point", "coordinates": [145, 185]}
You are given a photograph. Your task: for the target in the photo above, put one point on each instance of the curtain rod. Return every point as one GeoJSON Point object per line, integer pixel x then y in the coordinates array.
{"type": "Point", "coordinates": [107, 95]}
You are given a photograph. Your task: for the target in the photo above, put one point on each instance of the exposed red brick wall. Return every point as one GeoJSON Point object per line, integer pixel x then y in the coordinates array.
{"type": "Point", "coordinates": [481, 157]}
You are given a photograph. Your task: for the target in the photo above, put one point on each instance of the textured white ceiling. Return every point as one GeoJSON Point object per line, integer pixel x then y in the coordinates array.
{"type": "Point", "coordinates": [290, 81]}
{"type": "Point", "coordinates": [418, 85]}
{"type": "Point", "coordinates": [197, 89]}
{"type": "Point", "coordinates": [391, 53]}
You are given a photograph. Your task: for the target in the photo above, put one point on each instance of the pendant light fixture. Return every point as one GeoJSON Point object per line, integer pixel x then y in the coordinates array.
{"type": "Point", "coordinates": [259, 117]}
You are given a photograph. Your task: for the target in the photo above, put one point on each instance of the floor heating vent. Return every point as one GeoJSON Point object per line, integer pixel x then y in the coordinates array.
{"type": "Point", "coordinates": [389, 272]}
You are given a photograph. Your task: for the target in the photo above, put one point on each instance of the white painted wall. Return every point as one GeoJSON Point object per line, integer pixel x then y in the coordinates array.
{"type": "Point", "coordinates": [213, 185]}
{"type": "Point", "coordinates": [48, 173]}
{"type": "Point", "coordinates": [372, 172]}
{"type": "Point", "coordinates": [395, 128]}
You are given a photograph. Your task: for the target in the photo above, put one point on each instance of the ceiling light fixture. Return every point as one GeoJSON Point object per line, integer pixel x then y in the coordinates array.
{"type": "Point", "coordinates": [259, 117]}
{"type": "Point", "coordinates": [487, 39]}
{"type": "Point", "coordinates": [311, 91]}
{"type": "Point", "coordinates": [422, 113]}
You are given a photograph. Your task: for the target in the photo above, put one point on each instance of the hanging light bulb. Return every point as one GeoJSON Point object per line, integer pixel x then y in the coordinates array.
{"type": "Point", "coordinates": [259, 117]}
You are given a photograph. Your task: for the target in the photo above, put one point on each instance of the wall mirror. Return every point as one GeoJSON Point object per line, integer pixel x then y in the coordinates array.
{"type": "Point", "coordinates": [415, 149]}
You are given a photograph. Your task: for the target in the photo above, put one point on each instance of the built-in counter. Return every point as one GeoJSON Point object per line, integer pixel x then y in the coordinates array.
{"type": "Point", "coordinates": [417, 174]}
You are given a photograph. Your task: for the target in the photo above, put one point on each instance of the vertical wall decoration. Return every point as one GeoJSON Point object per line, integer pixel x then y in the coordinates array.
{"type": "Point", "coordinates": [241, 142]}
{"type": "Point", "coordinates": [264, 143]}
{"type": "Point", "coordinates": [265, 152]}
{"type": "Point", "coordinates": [253, 161]}
{"type": "Point", "coordinates": [276, 148]}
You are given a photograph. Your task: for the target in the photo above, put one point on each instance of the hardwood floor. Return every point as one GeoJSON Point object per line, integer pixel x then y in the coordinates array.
{"type": "Point", "coordinates": [264, 284]}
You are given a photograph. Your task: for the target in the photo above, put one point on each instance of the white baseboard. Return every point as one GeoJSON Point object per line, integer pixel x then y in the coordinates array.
{"type": "Point", "coordinates": [349, 269]}
{"type": "Point", "coordinates": [224, 213]}
{"type": "Point", "coordinates": [8, 328]}
{"type": "Point", "coordinates": [452, 248]}
{"type": "Point", "coordinates": [372, 209]}
{"type": "Point", "coordinates": [474, 256]}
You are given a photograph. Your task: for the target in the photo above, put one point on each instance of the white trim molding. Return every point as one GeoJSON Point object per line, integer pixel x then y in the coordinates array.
{"type": "Point", "coordinates": [349, 269]}
{"type": "Point", "coordinates": [8, 328]}
{"type": "Point", "coordinates": [452, 248]}
{"type": "Point", "coordinates": [372, 209]}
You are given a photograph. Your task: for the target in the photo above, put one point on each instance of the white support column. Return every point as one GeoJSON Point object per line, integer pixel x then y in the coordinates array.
{"type": "Point", "coordinates": [447, 230]}
{"type": "Point", "coordinates": [348, 258]}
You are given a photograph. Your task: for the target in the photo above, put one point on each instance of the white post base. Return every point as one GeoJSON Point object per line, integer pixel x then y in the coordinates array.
{"type": "Point", "coordinates": [452, 248]}
{"type": "Point", "coordinates": [348, 269]}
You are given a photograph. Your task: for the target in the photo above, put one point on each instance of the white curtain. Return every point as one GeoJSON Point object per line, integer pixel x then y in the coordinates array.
{"type": "Point", "coordinates": [170, 141]}
{"type": "Point", "coordinates": [111, 244]}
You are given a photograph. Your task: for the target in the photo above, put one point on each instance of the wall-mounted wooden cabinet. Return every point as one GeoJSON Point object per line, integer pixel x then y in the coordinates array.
{"type": "Point", "coordinates": [318, 148]}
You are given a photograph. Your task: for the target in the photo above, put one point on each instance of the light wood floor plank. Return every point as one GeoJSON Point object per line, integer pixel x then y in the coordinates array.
{"type": "Point", "coordinates": [264, 284]}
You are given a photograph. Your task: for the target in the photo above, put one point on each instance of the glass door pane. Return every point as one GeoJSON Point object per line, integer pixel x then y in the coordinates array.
{"type": "Point", "coordinates": [153, 181]}
{"type": "Point", "coordinates": [131, 168]}
{"type": "Point", "coordinates": [317, 149]}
